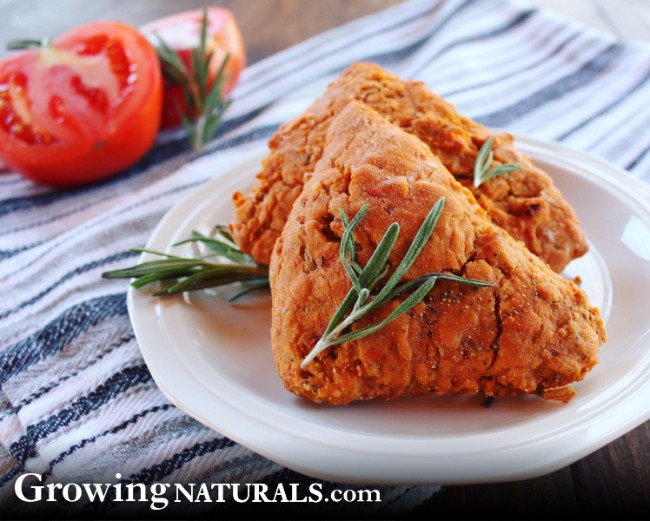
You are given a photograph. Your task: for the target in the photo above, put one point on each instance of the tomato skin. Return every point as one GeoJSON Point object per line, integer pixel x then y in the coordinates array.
{"type": "Point", "coordinates": [182, 33]}
{"type": "Point", "coordinates": [95, 134]}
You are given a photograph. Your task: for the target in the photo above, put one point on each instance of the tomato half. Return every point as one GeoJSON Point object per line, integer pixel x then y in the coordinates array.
{"type": "Point", "coordinates": [81, 108]}
{"type": "Point", "coordinates": [182, 33]}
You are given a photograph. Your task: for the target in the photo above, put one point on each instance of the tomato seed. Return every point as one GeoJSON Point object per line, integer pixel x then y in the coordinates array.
{"type": "Point", "coordinates": [11, 121]}
{"type": "Point", "coordinates": [96, 98]}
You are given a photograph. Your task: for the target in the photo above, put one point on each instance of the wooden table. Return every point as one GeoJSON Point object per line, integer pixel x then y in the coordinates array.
{"type": "Point", "coordinates": [613, 482]}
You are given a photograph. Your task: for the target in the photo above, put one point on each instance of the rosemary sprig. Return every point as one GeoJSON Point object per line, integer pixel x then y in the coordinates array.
{"type": "Point", "coordinates": [205, 106]}
{"type": "Point", "coordinates": [482, 171]}
{"type": "Point", "coordinates": [360, 301]}
{"type": "Point", "coordinates": [191, 274]}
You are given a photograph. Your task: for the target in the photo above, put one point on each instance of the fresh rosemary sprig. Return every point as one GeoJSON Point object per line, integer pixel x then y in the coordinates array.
{"type": "Point", "coordinates": [482, 171]}
{"type": "Point", "coordinates": [190, 274]}
{"type": "Point", "coordinates": [360, 301]}
{"type": "Point", "coordinates": [205, 108]}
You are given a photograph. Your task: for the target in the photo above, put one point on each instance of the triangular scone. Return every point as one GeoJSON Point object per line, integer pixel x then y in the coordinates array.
{"type": "Point", "coordinates": [525, 203]}
{"type": "Point", "coordinates": [532, 332]}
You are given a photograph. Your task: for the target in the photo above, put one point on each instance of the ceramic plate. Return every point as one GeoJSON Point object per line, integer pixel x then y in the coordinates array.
{"type": "Point", "coordinates": [213, 359]}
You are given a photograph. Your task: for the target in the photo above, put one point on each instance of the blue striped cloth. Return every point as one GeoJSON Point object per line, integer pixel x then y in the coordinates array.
{"type": "Point", "coordinates": [77, 401]}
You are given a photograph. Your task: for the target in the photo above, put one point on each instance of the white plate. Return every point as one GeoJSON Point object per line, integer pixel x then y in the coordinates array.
{"type": "Point", "coordinates": [213, 359]}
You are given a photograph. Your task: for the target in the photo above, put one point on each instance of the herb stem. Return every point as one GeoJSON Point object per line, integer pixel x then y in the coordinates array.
{"type": "Point", "coordinates": [28, 43]}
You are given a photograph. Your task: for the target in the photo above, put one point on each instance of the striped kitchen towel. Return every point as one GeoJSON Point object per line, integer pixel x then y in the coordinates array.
{"type": "Point", "coordinates": [77, 401]}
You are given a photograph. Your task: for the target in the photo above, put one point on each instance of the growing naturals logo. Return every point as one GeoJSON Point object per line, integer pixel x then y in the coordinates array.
{"type": "Point", "coordinates": [29, 488]}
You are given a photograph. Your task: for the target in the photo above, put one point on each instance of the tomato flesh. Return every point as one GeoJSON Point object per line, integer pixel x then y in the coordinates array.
{"type": "Point", "coordinates": [182, 33]}
{"type": "Point", "coordinates": [82, 108]}
{"type": "Point", "coordinates": [10, 120]}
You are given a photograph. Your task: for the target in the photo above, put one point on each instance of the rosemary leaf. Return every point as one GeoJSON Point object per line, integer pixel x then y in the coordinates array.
{"type": "Point", "coordinates": [203, 61]}
{"type": "Point", "coordinates": [195, 65]}
{"type": "Point", "coordinates": [213, 120]}
{"type": "Point", "coordinates": [209, 278]}
{"type": "Point", "coordinates": [212, 97]}
{"type": "Point", "coordinates": [347, 245]}
{"type": "Point", "coordinates": [438, 276]}
{"type": "Point", "coordinates": [377, 262]}
{"type": "Point", "coordinates": [484, 158]}
{"type": "Point", "coordinates": [146, 250]}
{"type": "Point", "coordinates": [253, 285]}
{"type": "Point", "coordinates": [228, 251]}
{"type": "Point", "coordinates": [152, 267]}
{"type": "Point", "coordinates": [188, 126]}
{"type": "Point", "coordinates": [346, 306]}
{"type": "Point", "coordinates": [223, 231]}
{"type": "Point", "coordinates": [500, 170]}
{"type": "Point", "coordinates": [160, 275]}
{"type": "Point", "coordinates": [170, 60]}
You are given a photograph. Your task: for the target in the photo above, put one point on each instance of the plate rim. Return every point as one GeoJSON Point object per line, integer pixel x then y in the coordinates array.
{"type": "Point", "coordinates": [301, 460]}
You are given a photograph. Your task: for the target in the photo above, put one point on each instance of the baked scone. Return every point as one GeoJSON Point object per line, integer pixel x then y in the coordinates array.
{"type": "Point", "coordinates": [531, 332]}
{"type": "Point", "coordinates": [525, 203]}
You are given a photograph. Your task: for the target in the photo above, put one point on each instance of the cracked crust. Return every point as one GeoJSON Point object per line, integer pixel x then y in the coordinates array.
{"type": "Point", "coordinates": [532, 332]}
{"type": "Point", "coordinates": [525, 203]}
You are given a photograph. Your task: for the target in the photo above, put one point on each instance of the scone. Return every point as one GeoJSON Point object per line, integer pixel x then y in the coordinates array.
{"type": "Point", "coordinates": [532, 332]}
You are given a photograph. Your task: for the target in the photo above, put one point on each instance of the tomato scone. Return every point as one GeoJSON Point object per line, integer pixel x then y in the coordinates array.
{"type": "Point", "coordinates": [530, 332]}
{"type": "Point", "coordinates": [525, 202]}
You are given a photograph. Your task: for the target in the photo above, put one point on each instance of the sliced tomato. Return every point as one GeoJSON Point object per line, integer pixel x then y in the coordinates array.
{"type": "Point", "coordinates": [81, 108]}
{"type": "Point", "coordinates": [182, 33]}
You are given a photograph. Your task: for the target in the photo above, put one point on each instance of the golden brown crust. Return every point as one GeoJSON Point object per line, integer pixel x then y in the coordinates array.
{"type": "Point", "coordinates": [525, 203]}
{"type": "Point", "coordinates": [532, 332]}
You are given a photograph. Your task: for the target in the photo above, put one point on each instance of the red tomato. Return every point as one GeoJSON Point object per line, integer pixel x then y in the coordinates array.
{"type": "Point", "coordinates": [84, 107]}
{"type": "Point", "coordinates": [182, 33]}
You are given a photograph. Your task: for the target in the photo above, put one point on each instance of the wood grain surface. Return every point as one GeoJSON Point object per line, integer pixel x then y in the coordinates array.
{"type": "Point", "coordinates": [612, 483]}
